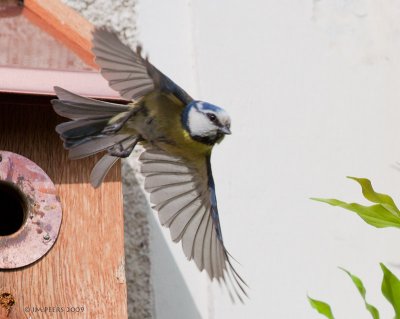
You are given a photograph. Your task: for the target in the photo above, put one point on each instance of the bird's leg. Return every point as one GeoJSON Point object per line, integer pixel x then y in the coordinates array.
{"type": "Point", "coordinates": [119, 150]}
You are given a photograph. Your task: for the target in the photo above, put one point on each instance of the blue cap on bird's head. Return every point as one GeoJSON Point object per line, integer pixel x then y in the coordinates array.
{"type": "Point", "coordinates": [205, 122]}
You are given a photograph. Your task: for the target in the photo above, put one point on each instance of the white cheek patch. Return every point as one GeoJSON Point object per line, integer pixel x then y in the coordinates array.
{"type": "Point", "coordinates": [200, 125]}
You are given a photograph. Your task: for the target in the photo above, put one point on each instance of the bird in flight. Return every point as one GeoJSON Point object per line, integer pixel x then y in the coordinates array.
{"type": "Point", "coordinates": [177, 133]}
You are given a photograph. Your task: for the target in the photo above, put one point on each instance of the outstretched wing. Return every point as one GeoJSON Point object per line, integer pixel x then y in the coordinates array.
{"type": "Point", "coordinates": [184, 196]}
{"type": "Point", "coordinates": [128, 72]}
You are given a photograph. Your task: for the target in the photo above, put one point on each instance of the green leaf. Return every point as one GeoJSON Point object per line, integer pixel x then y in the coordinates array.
{"type": "Point", "coordinates": [391, 289]}
{"type": "Point", "coordinates": [376, 215]}
{"type": "Point", "coordinates": [383, 214]}
{"type": "Point", "coordinates": [361, 289]}
{"type": "Point", "coordinates": [373, 196]}
{"type": "Point", "coordinates": [322, 307]}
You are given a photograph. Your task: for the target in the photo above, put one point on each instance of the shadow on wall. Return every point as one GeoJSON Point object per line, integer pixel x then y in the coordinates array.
{"type": "Point", "coordinates": [172, 296]}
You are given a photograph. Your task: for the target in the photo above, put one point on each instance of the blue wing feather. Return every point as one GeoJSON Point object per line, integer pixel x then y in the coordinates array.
{"type": "Point", "coordinates": [213, 200]}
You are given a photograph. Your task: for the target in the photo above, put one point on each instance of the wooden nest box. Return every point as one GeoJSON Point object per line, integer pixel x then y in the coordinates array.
{"type": "Point", "coordinates": [61, 240]}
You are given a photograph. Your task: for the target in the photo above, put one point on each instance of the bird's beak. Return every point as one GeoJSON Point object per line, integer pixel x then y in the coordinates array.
{"type": "Point", "coordinates": [225, 130]}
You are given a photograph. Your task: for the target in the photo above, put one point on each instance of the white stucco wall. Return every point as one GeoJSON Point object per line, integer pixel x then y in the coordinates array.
{"type": "Point", "coordinates": [313, 90]}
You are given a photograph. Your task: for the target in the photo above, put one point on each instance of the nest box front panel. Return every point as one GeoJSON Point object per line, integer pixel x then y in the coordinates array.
{"type": "Point", "coordinates": [82, 276]}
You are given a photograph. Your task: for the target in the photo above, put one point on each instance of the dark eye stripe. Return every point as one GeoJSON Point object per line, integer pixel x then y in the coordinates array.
{"type": "Point", "coordinates": [211, 117]}
{"type": "Point", "coordinates": [214, 119]}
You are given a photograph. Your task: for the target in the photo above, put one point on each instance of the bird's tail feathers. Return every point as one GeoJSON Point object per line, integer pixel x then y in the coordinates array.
{"type": "Point", "coordinates": [92, 129]}
{"type": "Point", "coordinates": [76, 107]}
{"type": "Point", "coordinates": [76, 132]}
{"type": "Point", "coordinates": [89, 131]}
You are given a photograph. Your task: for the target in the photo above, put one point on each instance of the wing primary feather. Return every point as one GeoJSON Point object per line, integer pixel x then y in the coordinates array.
{"type": "Point", "coordinates": [234, 271]}
{"type": "Point", "coordinates": [207, 253]}
{"type": "Point", "coordinates": [214, 260]}
{"type": "Point", "coordinates": [164, 173]}
{"type": "Point", "coordinates": [134, 92]}
{"type": "Point", "coordinates": [117, 65]}
{"type": "Point", "coordinates": [125, 86]}
{"type": "Point", "coordinates": [121, 80]}
{"type": "Point", "coordinates": [233, 287]}
{"type": "Point", "coordinates": [199, 241]}
{"type": "Point", "coordinates": [156, 180]}
{"type": "Point", "coordinates": [159, 187]}
{"type": "Point", "coordinates": [167, 201]}
{"type": "Point", "coordinates": [138, 75]}
{"type": "Point", "coordinates": [115, 45]}
{"type": "Point", "coordinates": [189, 236]}
{"type": "Point", "coordinates": [226, 284]}
{"type": "Point", "coordinates": [172, 218]}
{"type": "Point", "coordinates": [165, 161]}
{"type": "Point", "coordinates": [168, 211]}
{"type": "Point", "coordinates": [128, 72]}
{"type": "Point", "coordinates": [184, 229]}
{"type": "Point", "coordinates": [113, 57]}
{"type": "Point", "coordinates": [102, 44]}
{"type": "Point", "coordinates": [156, 154]}
{"type": "Point", "coordinates": [110, 55]}
{"type": "Point", "coordinates": [221, 263]}
{"type": "Point", "coordinates": [234, 276]}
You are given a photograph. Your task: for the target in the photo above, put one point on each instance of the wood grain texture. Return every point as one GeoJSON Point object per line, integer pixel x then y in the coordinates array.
{"type": "Point", "coordinates": [27, 46]}
{"type": "Point", "coordinates": [3, 314]}
{"type": "Point", "coordinates": [85, 267]}
{"type": "Point", "coordinates": [64, 24]}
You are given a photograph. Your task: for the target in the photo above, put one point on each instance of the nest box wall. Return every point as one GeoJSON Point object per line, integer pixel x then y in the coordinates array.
{"type": "Point", "coordinates": [82, 275]}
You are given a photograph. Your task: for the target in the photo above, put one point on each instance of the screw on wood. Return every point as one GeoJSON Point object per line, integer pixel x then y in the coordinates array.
{"type": "Point", "coordinates": [7, 301]}
{"type": "Point", "coordinates": [46, 237]}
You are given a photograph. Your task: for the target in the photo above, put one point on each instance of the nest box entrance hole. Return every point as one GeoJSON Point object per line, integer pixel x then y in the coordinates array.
{"type": "Point", "coordinates": [13, 209]}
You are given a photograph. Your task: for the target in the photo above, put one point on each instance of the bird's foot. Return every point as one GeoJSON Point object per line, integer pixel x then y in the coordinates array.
{"type": "Point", "coordinates": [118, 150]}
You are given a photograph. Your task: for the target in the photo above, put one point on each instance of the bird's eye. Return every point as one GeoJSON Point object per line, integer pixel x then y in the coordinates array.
{"type": "Point", "coordinates": [212, 117]}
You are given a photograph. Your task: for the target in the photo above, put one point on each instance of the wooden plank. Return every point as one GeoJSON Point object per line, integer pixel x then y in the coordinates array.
{"type": "Point", "coordinates": [85, 267]}
{"type": "Point", "coordinates": [43, 81]}
{"type": "Point", "coordinates": [64, 23]}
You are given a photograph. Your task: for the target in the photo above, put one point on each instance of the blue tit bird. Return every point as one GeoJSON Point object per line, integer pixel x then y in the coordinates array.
{"type": "Point", "coordinates": [177, 133]}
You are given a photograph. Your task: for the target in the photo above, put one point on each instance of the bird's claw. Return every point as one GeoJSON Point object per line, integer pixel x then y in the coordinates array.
{"type": "Point", "coordinates": [119, 151]}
